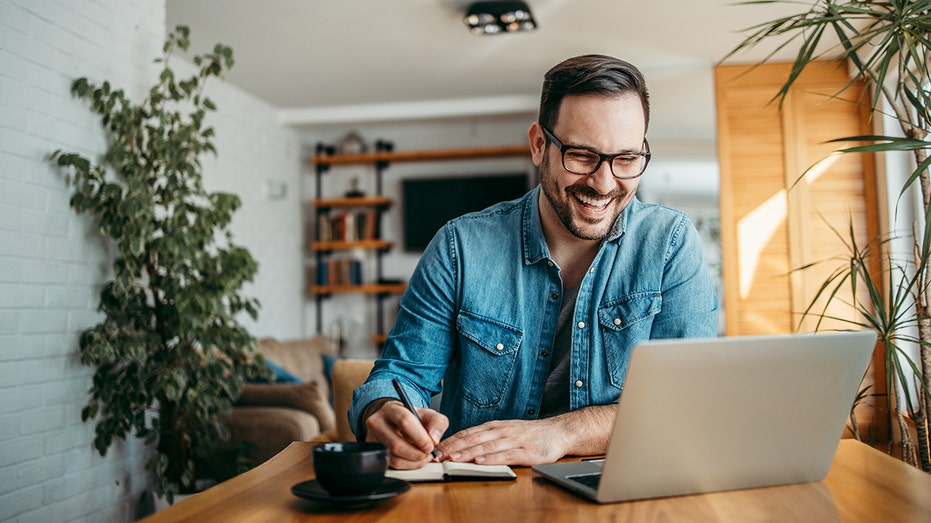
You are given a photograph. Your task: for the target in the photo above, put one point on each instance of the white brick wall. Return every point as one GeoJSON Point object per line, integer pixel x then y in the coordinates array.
{"type": "Point", "coordinates": [53, 262]}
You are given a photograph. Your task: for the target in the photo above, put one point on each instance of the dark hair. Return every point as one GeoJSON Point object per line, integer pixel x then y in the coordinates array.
{"type": "Point", "coordinates": [590, 74]}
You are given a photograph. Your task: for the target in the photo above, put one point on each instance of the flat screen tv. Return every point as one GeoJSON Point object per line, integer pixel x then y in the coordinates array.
{"type": "Point", "coordinates": [428, 203]}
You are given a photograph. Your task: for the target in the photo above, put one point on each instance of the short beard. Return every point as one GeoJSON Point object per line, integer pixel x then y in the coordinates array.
{"type": "Point", "coordinates": [563, 208]}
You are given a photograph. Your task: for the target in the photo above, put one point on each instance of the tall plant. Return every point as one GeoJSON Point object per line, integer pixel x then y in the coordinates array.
{"type": "Point", "coordinates": [886, 44]}
{"type": "Point", "coordinates": [169, 354]}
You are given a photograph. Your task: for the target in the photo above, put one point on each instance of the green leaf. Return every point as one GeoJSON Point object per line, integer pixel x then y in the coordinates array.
{"type": "Point", "coordinates": [80, 87]}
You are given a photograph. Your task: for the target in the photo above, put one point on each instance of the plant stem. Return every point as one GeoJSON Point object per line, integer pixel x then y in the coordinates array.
{"type": "Point", "coordinates": [908, 446]}
{"type": "Point", "coordinates": [922, 303]}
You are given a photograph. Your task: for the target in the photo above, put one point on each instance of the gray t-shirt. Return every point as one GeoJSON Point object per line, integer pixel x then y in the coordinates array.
{"type": "Point", "coordinates": [556, 393]}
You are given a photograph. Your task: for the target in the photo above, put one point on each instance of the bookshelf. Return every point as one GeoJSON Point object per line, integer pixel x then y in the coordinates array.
{"type": "Point", "coordinates": [335, 216]}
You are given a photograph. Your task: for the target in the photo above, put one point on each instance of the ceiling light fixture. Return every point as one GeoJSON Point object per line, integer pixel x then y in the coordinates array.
{"type": "Point", "coordinates": [486, 18]}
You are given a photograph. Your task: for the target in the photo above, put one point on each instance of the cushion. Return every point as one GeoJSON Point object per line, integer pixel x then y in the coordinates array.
{"type": "Point", "coordinates": [269, 430]}
{"type": "Point", "coordinates": [302, 357]}
{"type": "Point", "coordinates": [279, 374]}
{"type": "Point", "coordinates": [308, 397]}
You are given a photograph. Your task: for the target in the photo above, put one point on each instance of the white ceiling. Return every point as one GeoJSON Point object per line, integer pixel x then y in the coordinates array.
{"type": "Point", "coordinates": [368, 60]}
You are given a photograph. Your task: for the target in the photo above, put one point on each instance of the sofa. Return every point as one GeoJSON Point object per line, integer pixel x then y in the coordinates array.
{"type": "Point", "coordinates": [269, 416]}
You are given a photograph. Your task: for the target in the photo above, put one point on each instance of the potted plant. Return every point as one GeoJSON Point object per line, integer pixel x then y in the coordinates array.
{"type": "Point", "coordinates": [169, 354]}
{"type": "Point", "coordinates": [886, 44]}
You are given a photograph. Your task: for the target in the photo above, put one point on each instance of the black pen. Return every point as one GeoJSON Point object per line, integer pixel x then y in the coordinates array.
{"type": "Point", "coordinates": [410, 406]}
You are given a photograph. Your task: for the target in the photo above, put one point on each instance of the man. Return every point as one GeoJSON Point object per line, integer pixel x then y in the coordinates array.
{"type": "Point", "coordinates": [525, 314]}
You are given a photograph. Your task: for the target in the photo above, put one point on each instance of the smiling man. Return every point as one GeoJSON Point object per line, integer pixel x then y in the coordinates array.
{"type": "Point", "coordinates": [524, 314]}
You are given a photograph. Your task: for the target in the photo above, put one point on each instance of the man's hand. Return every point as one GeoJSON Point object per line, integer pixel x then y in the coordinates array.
{"type": "Point", "coordinates": [531, 442]}
{"type": "Point", "coordinates": [410, 442]}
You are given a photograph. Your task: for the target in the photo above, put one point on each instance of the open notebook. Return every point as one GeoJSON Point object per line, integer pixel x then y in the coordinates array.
{"type": "Point", "coordinates": [450, 471]}
{"type": "Point", "coordinates": [704, 415]}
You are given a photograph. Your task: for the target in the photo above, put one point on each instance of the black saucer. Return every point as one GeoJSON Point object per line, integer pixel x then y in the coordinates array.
{"type": "Point", "coordinates": [312, 490]}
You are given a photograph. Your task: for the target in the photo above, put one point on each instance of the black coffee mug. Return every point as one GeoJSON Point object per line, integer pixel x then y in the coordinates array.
{"type": "Point", "coordinates": [350, 468]}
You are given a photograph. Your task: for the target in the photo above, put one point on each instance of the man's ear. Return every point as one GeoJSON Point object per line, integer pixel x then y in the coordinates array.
{"type": "Point", "coordinates": [537, 143]}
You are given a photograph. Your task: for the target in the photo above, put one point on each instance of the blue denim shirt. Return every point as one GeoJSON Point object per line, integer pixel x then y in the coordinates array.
{"type": "Point", "coordinates": [478, 318]}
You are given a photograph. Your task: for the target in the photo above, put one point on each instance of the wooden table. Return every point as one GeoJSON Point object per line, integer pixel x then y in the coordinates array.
{"type": "Point", "coordinates": [863, 485]}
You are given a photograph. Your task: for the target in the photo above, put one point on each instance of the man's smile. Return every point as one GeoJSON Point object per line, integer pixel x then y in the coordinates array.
{"type": "Point", "coordinates": [596, 203]}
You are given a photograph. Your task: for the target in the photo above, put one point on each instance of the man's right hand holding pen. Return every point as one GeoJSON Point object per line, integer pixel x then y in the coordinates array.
{"type": "Point", "coordinates": [410, 434]}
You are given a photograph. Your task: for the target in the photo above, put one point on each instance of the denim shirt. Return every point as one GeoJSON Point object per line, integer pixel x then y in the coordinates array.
{"type": "Point", "coordinates": [478, 319]}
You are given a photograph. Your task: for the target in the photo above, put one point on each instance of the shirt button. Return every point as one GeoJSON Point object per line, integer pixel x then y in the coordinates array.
{"type": "Point", "coordinates": [591, 269]}
{"type": "Point", "coordinates": [531, 412]}
{"type": "Point", "coordinates": [555, 295]}
{"type": "Point", "coordinates": [578, 384]}
{"type": "Point", "coordinates": [499, 346]}
{"type": "Point", "coordinates": [549, 263]}
{"type": "Point", "coordinates": [545, 354]}
{"type": "Point", "coordinates": [581, 324]}
{"type": "Point", "coordinates": [617, 321]}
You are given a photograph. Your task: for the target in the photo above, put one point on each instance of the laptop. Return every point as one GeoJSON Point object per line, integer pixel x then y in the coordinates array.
{"type": "Point", "coordinates": [706, 415]}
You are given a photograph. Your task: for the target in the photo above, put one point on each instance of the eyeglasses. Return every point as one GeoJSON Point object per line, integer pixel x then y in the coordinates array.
{"type": "Point", "coordinates": [580, 160]}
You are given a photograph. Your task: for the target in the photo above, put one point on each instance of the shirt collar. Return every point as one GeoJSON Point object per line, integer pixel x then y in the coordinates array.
{"type": "Point", "coordinates": [535, 248]}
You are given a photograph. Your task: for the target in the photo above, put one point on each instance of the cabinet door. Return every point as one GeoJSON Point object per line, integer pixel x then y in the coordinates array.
{"type": "Point", "coordinates": [788, 201]}
{"type": "Point", "coordinates": [754, 229]}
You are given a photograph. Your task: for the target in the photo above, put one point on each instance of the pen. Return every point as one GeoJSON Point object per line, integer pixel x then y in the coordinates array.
{"type": "Point", "coordinates": [410, 406]}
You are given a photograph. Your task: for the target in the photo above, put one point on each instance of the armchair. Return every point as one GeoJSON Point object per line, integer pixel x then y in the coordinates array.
{"type": "Point", "coordinates": [270, 416]}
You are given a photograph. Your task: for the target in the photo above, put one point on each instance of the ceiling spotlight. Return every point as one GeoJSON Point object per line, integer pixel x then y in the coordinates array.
{"type": "Point", "coordinates": [502, 16]}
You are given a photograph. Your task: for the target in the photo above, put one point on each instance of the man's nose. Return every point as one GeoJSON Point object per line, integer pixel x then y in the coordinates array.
{"type": "Point", "coordinates": [602, 180]}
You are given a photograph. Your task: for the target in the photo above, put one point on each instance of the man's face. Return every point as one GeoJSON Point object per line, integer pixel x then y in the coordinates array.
{"type": "Point", "coordinates": [588, 205]}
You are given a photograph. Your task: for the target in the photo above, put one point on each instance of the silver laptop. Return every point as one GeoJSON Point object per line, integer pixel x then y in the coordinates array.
{"type": "Point", "coordinates": [705, 415]}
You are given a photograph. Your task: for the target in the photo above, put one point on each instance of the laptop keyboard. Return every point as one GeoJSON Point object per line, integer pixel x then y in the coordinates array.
{"type": "Point", "coordinates": [589, 480]}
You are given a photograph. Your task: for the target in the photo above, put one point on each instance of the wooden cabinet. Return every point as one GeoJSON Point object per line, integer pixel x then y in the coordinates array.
{"type": "Point", "coordinates": [347, 225]}
{"type": "Point", "coordinates": [789, 202]}
{"type": "Point", "coordinates": [787, 198]}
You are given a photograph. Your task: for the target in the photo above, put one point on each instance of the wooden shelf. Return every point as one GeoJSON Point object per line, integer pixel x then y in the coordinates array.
{"type": "Point", "coordinates": [373, 288]}
{"type": "Point", "coordinates": [364, 201]}
{"type": "Point", "coordinates": [422, 156]}
{"type": "Point", "coordinates": [343, 246]}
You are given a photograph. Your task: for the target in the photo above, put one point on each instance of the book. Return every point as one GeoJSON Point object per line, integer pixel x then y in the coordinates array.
{"type": "Point", "coordinates": [452, 471]}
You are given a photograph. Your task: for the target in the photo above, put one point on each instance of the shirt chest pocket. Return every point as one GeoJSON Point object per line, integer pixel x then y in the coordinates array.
{"type": "Point", "coordinates": [624, 323]}
{"type": "Point", "coordinates": [488, 352]}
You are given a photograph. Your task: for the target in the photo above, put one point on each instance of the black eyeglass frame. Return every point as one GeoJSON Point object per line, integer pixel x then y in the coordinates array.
{"type": "Point", "coordinates": [602, 157]}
